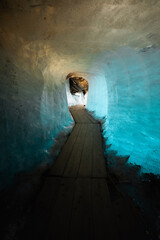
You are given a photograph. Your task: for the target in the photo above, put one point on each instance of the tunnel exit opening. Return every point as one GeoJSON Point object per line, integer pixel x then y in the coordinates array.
{"type": "Point", "coordinates": [77, 89]}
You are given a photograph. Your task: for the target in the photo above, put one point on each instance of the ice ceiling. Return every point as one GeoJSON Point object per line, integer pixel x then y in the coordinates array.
{"type": "Point", "coordinates": [114, 44]}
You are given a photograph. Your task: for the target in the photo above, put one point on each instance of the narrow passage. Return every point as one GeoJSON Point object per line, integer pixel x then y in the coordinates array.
{"type": "Point", "coordinates": [75, 202]}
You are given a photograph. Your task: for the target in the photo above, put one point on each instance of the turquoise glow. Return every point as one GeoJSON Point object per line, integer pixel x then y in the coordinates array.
{"type": "Point", "coordinates": [132, 122]}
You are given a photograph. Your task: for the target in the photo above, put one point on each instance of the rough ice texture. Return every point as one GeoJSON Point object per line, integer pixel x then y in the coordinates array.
{"type": "Point", "coordinates": [132, 123]}
{"type": "Point", "coordinates": [42, 41]}
{"type": "Point", "coordinates": [33, 111]}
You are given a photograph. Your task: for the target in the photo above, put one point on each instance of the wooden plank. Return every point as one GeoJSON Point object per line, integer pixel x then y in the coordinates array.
{"type": "Point", "coordinates": [87, 118]}
{"type": "Point", "coordinates": [98, 166]}
{"type": "Point", "coordinates": [80, 115]}
{"type": "Point", "coordinates": [58, 167]}
{"type": "Point", "coordinates": [76, 116]}
{"type": "Point", "coordinates": [84, 116]}
{"type": "Point", "coordinates": [81, 221]}
{"type": "Point", "coordinates": [72, 167]}
{"type": "Point", "coordinates": [104, 223]}
{"type": "Point", "coordinates": [85, 169]}
{"type": "Point", "coordinates": [90, 117]}
{"type": "Point", "coordinates": [59, 225]}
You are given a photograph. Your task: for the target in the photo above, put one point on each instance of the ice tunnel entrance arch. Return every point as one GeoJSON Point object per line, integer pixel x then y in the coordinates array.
{"type": "Point", "coordinates": [77, 89]}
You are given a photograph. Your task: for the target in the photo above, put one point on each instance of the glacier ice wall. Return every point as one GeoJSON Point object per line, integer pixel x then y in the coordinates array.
{"type": "Point", "coordinates": [42, 41]}
{"type": "Point", "coordinates": [33, 111]}
{"type": "Point", "coordinates": [98, 93]}
{"type": "Point", "coordinates": [132, 123]}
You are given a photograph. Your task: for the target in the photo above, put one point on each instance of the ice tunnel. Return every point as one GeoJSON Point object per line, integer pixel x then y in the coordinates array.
{"type": "Point", "coordinates": [113, 44]}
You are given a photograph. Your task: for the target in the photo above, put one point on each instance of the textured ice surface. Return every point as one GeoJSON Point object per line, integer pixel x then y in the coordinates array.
{"type": "Point", "coordinates": [42, 41]}
{"type": "Point", "coordinates": [33, 110]}
{"type": "Point", "coordinates": [132, 123]}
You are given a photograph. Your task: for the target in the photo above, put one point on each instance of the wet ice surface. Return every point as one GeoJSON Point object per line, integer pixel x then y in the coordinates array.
{"type": "Point", "coordinates": [132, 103]}
{"type": "Point", "coordinates": [114, 44]}
{"type": "Point", "coordinates": [124, 90]}
{"type": "Point", "coordinates": [33, 112]}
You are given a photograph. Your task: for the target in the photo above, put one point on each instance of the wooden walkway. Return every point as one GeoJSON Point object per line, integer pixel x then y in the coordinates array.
{"type": "Point", "coordinates": [82, 155]}
{"type": "Point", "coordinates": [75, 203]}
